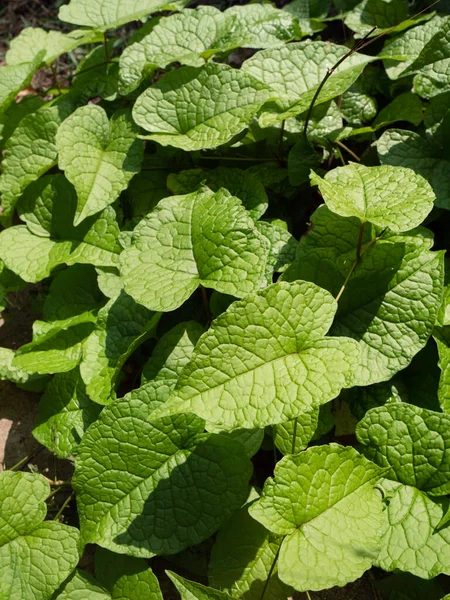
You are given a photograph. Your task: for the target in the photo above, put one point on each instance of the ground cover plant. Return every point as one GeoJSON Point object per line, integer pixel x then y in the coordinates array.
{"type": "Point", "coordinates": [234, 220]}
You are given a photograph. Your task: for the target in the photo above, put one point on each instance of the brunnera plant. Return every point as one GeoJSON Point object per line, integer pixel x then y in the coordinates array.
{"type": "Point", "coordinates": [244, 338]}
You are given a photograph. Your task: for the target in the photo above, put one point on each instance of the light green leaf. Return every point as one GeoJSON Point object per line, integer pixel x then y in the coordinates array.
{"type": "Point", "coordinates": [391, 301]}
{"type": "Point", "coordinates": [191, 590]}
{"type": "Point", "coordinates": [282, 247]}
{"type": "Point", "coordinates": [233, 381]}
{"type": "Point", "coordinates": [379, 13]}
{"type": "Point", "coordinates": [386, 196]}
{"type": "Point", "coordinates": [302, 429]}
{"type": "Point", "coordinates": [294, 72]}
{"type": "Point", "coordinates": [413, 442]}
{"type": "Point", "coordinates": [404, 107]}
{"type": "Point", "coordinates": [122, 325]}
{"type": "Point", "coordinates": [98, 156]}
{"type": "Point", "coordinates": [357, 106]}
{"type": "Point", "coordinates": [13, 115]}
{"type": "Point", "coordinates": [8, 371]}
{"type": "Point", "coordinates": [32, 40]}
{"type": "Point", "coordinates": [82, 586]}
{"type": "Point", "coordinates": [35, 556]}
{"type": "Point", "coordinates": [442, 337]}
{"type": "Point", "coordinates": [238, 182]}
{"type": "Point", "coordinates": [408, 149]}
{"type": "Point", "coordinates": [97, 75]}
{"type": "Point", "coordinates": [187, 241]}
{"type": "Point", "coordinates": [302, 158]}
{"type": "Point", "coordinates": [401, 51]}
{"type": "Point", "coordinates": [172, 353]}
{"type": "Point", "coordinates": [30, 152]}
{"type": "Point", "coordinates": [195, 35]}
{"type": "Point", "coordinates": [410, 538]}
{"type": "Point", "coordinates": [64, 414]}
{"type": "Point", "coordinates": [50, 239]}
{"type": "Point", "coordinates": [110, 14]}
{"type": "Point", "coordinates": [136, 478]}
{"type": "Point", "coordinates": [226, 99]}
{"type": "Point", "coordinates": [242, 558]}
{"type": "Point", "coordinates": [323, 501]}
{"type": "Point", "coordinates": [14, 78]}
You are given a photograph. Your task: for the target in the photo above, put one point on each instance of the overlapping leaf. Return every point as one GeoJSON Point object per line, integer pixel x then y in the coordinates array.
{"type": "Point", "coordinates": [187, 241]}
{"type": "Point", "coordinates": [266, 360]}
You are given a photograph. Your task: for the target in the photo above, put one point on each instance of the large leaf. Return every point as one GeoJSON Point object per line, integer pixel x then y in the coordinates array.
{"type": "Point", "coordinates": [411, 540]}
{"type": "Point", "coordinates": [49, 238]}
{"type": "Point", "coordinates": [226, 101]}
{"type": "Point", "coordinates": [109, 14]}
{"type": "Point", "coordinates": [122, 325]}
{"type": "Point", "coordinates": [386, 196]}
{"type": "Point", "coordinates": [187, 241]}
{"type": "Point", "coordinates": [323, 501]}
{"type": "Point", "coordinates": [32, 40]}
{"type": "Point", "coordinates": [370, 13]}
{"type": "Point", "coordinates": [266, 360]}
{"type": "Point", "coordinates": [294, 72]}
{"type": "Point", "coordinates": [64, 414]}
{"type": "Point", "coordinates": [242, 560]}
{"type": "Point", "coordinates": [413, 442]}
{"type": "Point", "coordinates": [30, 152]}
{"type": "Point", "coordinates": [409, 149]}
{"type": "Point", "coordinates": [150, 486]}
{"type": "Point", "coordinates": [193, 36]}
{"type": "Point", "coordinates": [35, 556]}
{"type": "Point", "coordinates": [98, 156]}
{"type": "Point", "coordinates": [15, 77]}
{"type": "Point", "coordinates": [391, 301]}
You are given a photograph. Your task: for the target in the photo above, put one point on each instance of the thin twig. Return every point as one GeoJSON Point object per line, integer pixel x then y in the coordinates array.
{"type": "Point", "coordinates": [355, 156]}
{"type": "Point", "coordinates": [63, 507]}
{"type": "Point", "coordinates": [272, 567]}
{"type": "Point", "coordinates": [24, 461]}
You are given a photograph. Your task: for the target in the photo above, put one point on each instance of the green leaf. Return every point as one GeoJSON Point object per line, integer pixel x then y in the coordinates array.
{"type": "Point", "coordinates": [242, 558]}
{"type": "Point", "coordinates": [14, 78]}
{"type": "Point", "coordinates": [324, 503]}
{"type": "Point", "coordinates": [370, 13]}
{"type": "Point", "coordinates": [293, 84]}
{"type": "Point", "coordinates": [32, 40]}
{"type": "Point", "coordinates": [110, 14]}
{"type": "Point", "coordinates": [302, 158]}
{"type": "Point", "coordinates": [30, 152]}
{"type": "Point", "coordinates": [98, 156]}
{"type": "Point", "coordinates": [282, 248]}
{"type": "Point", "coordinates": [442, 337]}
{"type": "Point", "coordinates": [391, 301]}
{"type": "Point", "coordinates": [302, 429]}
{"type": "Point", "coordinates": [191, 590]}
{"type": "Point", "coordinates": [13, 115]}
{"type": "Point", "coordinates": [234, 381]}
{"type": "Point", "coordinates": [35, 556]}
{"type": "Point", "coordinates": [401, 51]}
{"type": "Point", "coordinates": [409, 149]}
{"type": "Point", "coordinates": [172, 353]}
{"type": "Point", "coordinates": [122, 325]}
{"type": "Point", "coordinates": [413, 442]}
{"type": "Point", "coordinates": [386, 196]}
{"type": "Point", "coordinates": [8, 371]}
{"type": "Point", "coordinates": [195, 35]}
{"type": "Point", "coordinates": [404, 107]}
{"type": "Point", "coordinates": [136, 478]}
{"type": "Point", "coordinates": [358, 107]}
{"type": "Point", "coordinates": [410, 538]}
{"type": "Point", "coordinates": [187, 241]}
{"type": "Point", "coordinates": [97, 75]}
{"type": "Point", "coordinates": [64, 414]}
{"type": "Point", "coordinates": [164, 108]}
{"type": "Point", "coordinates": [238, 182]}
{"type": "Point", "coordinates": [49, 236]}
{"type": "Point", "coordinates": [82, 586]}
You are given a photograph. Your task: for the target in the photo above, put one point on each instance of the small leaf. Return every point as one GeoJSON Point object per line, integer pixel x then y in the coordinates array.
{"type": "Point", "coordinates": [303, 429]}
{"type": "Point", "coordinates": [187, 241]}
{"type": "Point", "coordinates": [99, 156]}
{"type": "Point", "coordinates": [233, 380]}
{"type": "Point", "coordinates": [386, 196]}
{"type": "Point", "coordinates": [324, 504]}
{"type": "Point", "coordinates": [414, 442]}
{"type": "Point", "coordinates": [164, 109]}
{"type": "Point", "coordinates": [136, 479]}
{"type": "Point", "coordinates": [191, 590]}
{"type": "Point", "coordinates": [35, 556]}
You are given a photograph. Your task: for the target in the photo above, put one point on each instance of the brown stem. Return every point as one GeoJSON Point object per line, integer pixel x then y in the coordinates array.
{"type": "Point", "coordinates": [64, 506]}
{"type": "Point", "coordinates": [355, 156]}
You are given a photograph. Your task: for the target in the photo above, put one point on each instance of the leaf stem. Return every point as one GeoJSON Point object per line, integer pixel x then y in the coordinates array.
{"type": "Point", "coordinates": [294, 436]}
{"type": "Point", "coordinates": [272, 567]}
{"type": "Point", "coordinates": [355, 156]}
{"type": "Point", "coordinates": [359, 44]}
{"type": "Point", "coordinates": [63, 507]}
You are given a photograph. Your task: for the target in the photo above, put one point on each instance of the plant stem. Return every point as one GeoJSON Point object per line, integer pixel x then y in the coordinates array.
{"type": "Point", "coordinates": [359, 44]}
{"type": "Point", "coordinates": [206, 304]}
{"type": "Point", "coordinates": [63, 507]}
{"type": "Point", "coordinates": [356, 261]}
{"type": "Point", "coordinates": [355, 156]}
{"type": "Point", "coordinates": [26, 459]}
{"type": "Point", "coordinates": [341, 157]}
{"type": "Point", "coordinates": [360, 239]}
{"type": "Point", "coordinates": [307, 595]}
{"type": "Point", "coordinates": [280, 145]}
{"type": "Point", "coordinates": [270, 573]}
{"type": "Point", "coordinates": [294, 436]}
